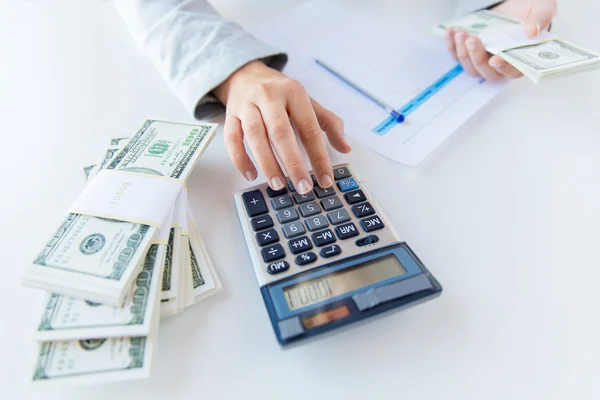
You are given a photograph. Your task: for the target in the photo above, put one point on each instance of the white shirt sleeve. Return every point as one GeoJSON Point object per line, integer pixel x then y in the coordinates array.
{"type": "Point", "coordinates": [194, 48]}
{"type": "Point", "coordinates": [467, 6]}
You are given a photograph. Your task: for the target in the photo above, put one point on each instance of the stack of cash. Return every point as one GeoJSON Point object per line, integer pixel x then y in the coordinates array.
{"type": "Point", "coordinates": [541, 58]}
{"type": "Point", "coordinates": [83, 340]}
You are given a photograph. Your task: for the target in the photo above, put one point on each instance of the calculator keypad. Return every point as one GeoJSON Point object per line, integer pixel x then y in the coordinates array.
{"type": "Point", "coordinates": [316, 220]}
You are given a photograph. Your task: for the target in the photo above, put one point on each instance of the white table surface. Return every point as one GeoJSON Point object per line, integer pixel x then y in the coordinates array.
{"type": "Point", "coordinates": [506, 214]}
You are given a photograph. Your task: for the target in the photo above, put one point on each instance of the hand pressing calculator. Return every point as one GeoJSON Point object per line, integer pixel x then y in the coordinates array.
{"type": "Point", "coordinates": [329, 258]}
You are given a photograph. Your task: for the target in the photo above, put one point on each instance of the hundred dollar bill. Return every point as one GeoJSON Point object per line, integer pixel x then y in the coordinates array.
{"type": "Point", "coordinates": [477, 23]}
{"type": "Point", "coordinates": [205, 279]}
{"type": "Point", "coordinates": [66, 318]}
{"type": "Point", "coordinates": [118, 141]}
{"type": "Point", "coordinates": [94, 360]}
{"type": "Point", "coordinates": [87, 170]}
{"type": "Point", "coordinates": [94, 258]}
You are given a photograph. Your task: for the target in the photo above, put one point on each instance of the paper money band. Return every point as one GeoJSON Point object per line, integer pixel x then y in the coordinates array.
{"type": "Point", "coordinates": [129, 196]}
{"type": "Point", "coordinates": [499, 41]}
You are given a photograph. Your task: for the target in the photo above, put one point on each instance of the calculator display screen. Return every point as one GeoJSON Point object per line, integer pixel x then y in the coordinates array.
{"type": "Point", "coordinates": [340, 282]}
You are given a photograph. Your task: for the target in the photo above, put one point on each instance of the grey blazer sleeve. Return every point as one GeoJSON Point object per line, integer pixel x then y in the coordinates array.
{"type": "Point", "coordinates": [467, 6]}
{"type": "Point", "coordinates": [194, 48]}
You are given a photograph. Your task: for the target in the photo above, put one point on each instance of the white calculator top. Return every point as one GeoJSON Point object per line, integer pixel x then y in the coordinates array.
{"type": "Point", "coordinates": [330, 254]}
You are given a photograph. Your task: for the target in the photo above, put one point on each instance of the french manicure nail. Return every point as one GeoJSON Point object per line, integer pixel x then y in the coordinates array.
{"type": "Point", "coordinates": [538, 25]}
{"type": "Point", "coordinates": [496, 63]}
{"type": "Point", "coordinates": [303, 186]}
{"type": "Point", "coordinates": [276, 183]}
{"type": "Point", "coordinates": [471, 44]}
{"type": "Point", "coordinates": [460, 37]}
{"type": "Point", "coordinates": [249, 175]}
{"type": "Point", "coordinates": [327, 181]}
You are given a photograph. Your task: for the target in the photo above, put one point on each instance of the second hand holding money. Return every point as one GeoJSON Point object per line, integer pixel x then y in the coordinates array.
{"type": "Point", "coordinates": [470, 52]}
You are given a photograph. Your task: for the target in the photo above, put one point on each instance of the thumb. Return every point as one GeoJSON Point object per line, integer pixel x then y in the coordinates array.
{"type": "Point", "coordinates": [539, 17]}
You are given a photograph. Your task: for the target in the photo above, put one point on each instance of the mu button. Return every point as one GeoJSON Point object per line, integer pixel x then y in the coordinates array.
{"type": "Point", "coordinates": [278, 267]}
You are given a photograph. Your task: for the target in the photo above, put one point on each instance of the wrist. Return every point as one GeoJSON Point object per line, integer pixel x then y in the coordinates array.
{"type": "Point", "coordinates": [222, 91]}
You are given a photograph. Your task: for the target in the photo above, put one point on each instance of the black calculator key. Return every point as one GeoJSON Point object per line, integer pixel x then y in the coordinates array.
{"type": "Point", "coordinates": [341, 173]}
{"type": "Point", "coordinates": [355, 197]}
{"type": "Point", "coordinates": [300, 245]}
{"type": "Point", "coordinates": [306, 258]}
{"type": "Point", "coordinates": [331, 203]}
{"type": "Point", "coordinates": [324, 237]}
{"type": "Point", "coordinates": [362, 210]}
{"type": "Point", "coordinates": [309, 209]}
{"type": "Point", "coordinates": [278, 267]}
{"type": "Point", "coordinates": [338, 216]}
{"type": "Point", "coordinates": [314, 180]}
{"type": "Point", "coordinates": [331, 251]}
{"type": "Point", "coordinates": [275, 193]}
{"type": "Point", "coordinates": [346, 231]}
{"type": "Point", "coordinates": [371, 224]}
{"type": "Point", "coordinates": [261, 222]}
{"type": "Point", "coordinates": [287, 215]}
{"type": "Point", "coordinates": [267, 237]}
{"type": "Point", "coordinates": [321, 192]}
{"type": "Point", "coordinates": [255, 203]}
{"type": "Point", "coordinates": [291, 185]}
{"type": "Point", "coordinates": [347, 184]}
{"type": "Point", "coordinates": [316, 223]}
{"type": "Point", "coordinates": [303, 198]}
{"type": "Point", "coordinates": [294, 229]}
{"type": "Point", "coordinates": [281, 202]}
{"type": "Point", "coordinates": [272, 253]}
{"type": "Point", "coordinates": [367, 240]}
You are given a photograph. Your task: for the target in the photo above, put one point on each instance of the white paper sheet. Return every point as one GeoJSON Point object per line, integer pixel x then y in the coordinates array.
{"type": "Point", "coordinates": [392, 64]}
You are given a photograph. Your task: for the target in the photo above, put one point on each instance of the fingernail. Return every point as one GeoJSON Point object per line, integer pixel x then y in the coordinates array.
{"type": "Point", "coordinates": [276, 183]}
{"type": "Point", "coordinates": [303, 186]}
{"type": "Point", "coordinates": [250, 175]}
{"type": "Point", "coordinates": [538, 25]}
{"type": "Point", "coordinates": [471, 44]}
{"type": "Point", "coordinates": [496, 63]}
{"type": "Point", "coordinates": [326, 181]}
{"type": "Point", "coordinates": [460, 37]}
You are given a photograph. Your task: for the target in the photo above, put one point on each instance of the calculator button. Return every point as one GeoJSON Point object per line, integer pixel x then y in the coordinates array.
{"type": "Point", "coordinates": [355, 197]}
{"type": "Point", "coordinates": [367, 240]}
{"type": "Point", "coordinates": [303, 198]}
{"type": "Point", "coordinates": [347, 184]}
{"type": "Point", "coordinates": [362, 210]}
{"type": "Point", "coordinates": [291, 185]}
{"type": "Point", "coordinates": [262, 222]}
{"type": "Point", "coordinates": [300, 245]}
{"type": "Point", "coordinates": [346, 231]}
{"type": "Point", "coordinates": [281, 202]}
{"type": "Point", "coordinates": [331, 203]}
{"type": "Point", "coordinates": [267, 237]}
{"type": "Point", "coordinates": [278, 267]}
{"type": "Point", "coordinates": [372, 223]}
{"type": "Point", "coordinates": [316, 223]}
{"type": "Point", "coordinates": [309, 209]}
{"type": "Point", "coordinates": [255, 203]}
{"type": "Point", "coordinates": [272, 253]}
{"type": "Point", "coordinates": [321, 193]}
{"type": "Point", "coordinates": [287, 215]}
{"type": "Point", "coordinates": [276, 193]}
{"type": "Point", "coordinates": [331, 251]}
{"type": "Point", "coordinates": [306, 258]}
{"type": "Point", "coordinates": [341, 173]}
{"type": "Point", "coordinates": [324, 237]}
{"type": "Point", "coordinates": [338, 216]}
{"type": "Point", "coordinates": [314, 180]}
{"type": "Point", "coordinates": [294, 229]}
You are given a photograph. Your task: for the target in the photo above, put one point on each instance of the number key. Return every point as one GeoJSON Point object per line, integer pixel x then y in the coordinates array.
{"type": "Point", "coordinates": [331, 203]}
{"type": "Point", "coordinates": [339, 216]}
{"type": "Point", "coordinates": [303, 198]}
{"type": "Point", "coordinates": [309, 209]}
{"type": "Point", "coordinates": [341, 173]}
{"type": "Point", "coordinates": [316, 223]}
{"type": "Point", "coordinates": [294, 229]}
{"type": "Point", "coordinates": [321, 192]}
{"type": "Point", "coordinates": [281, 202]}
{"type": "Point", "coordinates": [287, 215]}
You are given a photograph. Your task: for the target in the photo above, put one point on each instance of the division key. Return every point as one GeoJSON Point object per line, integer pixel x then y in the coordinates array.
{"type": "Point", "coordinates": [255, 203]}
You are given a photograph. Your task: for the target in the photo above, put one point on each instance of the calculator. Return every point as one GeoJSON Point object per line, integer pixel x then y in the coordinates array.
{"type": "Point", "coordinates": [329, 258]}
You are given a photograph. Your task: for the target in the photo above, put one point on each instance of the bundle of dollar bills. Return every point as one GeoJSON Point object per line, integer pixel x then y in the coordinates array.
{"type": "Point", "coordinates": [541, 58]}
{"type": "Point", "coordinates": [86, 341]}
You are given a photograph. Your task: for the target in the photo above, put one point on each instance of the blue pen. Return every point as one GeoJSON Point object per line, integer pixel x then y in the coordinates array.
{"type": "Point", "coordinates": [395, 114]}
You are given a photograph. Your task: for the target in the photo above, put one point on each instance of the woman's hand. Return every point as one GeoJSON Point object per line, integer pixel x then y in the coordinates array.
{"type": "Point", "coordinates": [263, 107]}
{"type": "Point", "coordinates": [469, 51]}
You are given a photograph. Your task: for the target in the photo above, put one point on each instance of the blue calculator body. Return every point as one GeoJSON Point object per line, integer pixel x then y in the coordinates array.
{"type": "Point", "coordinates": [328, 259]}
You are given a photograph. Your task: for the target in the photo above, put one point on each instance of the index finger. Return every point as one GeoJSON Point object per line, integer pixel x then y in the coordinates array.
{"type": "Point", "coordinates": [305, 120]}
